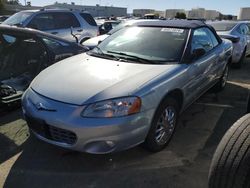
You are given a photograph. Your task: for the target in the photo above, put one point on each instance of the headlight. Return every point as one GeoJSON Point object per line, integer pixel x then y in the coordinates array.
{"type": "Point", "coordinates": [113, 108]}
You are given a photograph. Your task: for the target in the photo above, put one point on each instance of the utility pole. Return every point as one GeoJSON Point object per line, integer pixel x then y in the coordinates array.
{"type": "Point", "coordinates": [25, 3]}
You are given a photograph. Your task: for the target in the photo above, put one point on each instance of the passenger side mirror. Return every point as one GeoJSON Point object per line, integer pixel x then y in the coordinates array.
{"type": "Point", "coordinates": [198, 53]}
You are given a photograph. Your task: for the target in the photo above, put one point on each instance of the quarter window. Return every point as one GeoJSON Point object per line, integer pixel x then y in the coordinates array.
{"type": "Point", "coordinates": [88, 18]}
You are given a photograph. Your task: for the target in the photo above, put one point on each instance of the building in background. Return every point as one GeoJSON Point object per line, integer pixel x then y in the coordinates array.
{"type": "Point", "coordinates": [95, 11]}
{"type": "Point", "coordinates": [142, 12]}
{"type": "Point", "coordinates": [13, 8]}
{"type": "Point", "coordinates": [244, 13]}
{"type": "Point", "coordinates": [212, 14]}
{"type": "Point", "coordinates": [196, 13]}
{"type": "Point", "coordinates": [171, 13]}
{"type": "Point", "coordinates": [160, 13]}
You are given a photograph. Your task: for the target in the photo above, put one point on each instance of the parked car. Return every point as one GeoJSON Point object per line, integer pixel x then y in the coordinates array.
{"type": "Point", "coordinates": [107, 26]}
{"type": "Point", "coordinates": [23, 54]}
{"type": "Point", "coordinates": [230, 165]}
{"type": "Point", "coordinates": [128, 90]}
{"type": "Point", "coordinates": [93, 42]}
{"type": "Point", "coordinates": [237, 33]}
{"type": "Point", "coordinates": [57, 22]}
{"type": "Point", "coordinates": [3, 18]}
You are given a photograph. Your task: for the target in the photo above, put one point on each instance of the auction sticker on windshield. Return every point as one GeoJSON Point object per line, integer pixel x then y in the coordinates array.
{"type": "Point", "coordinates": [172, 30]}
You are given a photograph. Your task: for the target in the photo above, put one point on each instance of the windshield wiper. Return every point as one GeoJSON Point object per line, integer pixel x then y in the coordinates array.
{"type": "Point", "coordinates": [133, 57]}
{"type": "Point", "coordinates": [100, 53]}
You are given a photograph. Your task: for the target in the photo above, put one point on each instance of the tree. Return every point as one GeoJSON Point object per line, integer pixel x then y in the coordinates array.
{"type": "Point", "coordinates": [180, 15]}
{"type": "Point", "coordinates": [12, 2]}
{"type": "Point", "coordinates": [1, 6]}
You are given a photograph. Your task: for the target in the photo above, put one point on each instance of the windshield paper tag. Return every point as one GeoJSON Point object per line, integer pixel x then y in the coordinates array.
{"type": "Point", "coordinates": [173, 30]}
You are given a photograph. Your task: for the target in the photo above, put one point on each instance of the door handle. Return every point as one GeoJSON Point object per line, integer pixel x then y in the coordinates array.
{"type": "Point", "coordinates": [79, 30]}
{"type": "Point", "coordinates": [54, 33]}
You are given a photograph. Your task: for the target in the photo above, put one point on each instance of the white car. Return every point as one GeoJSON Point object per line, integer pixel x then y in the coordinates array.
{"type": "Point", "coordinates": [57, 22]}
{"type": "Point", "coordinates": [238, 33]}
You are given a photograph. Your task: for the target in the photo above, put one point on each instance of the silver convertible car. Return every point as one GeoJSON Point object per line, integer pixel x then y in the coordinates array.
{"type": "Point", "coordinates": [128, 90]}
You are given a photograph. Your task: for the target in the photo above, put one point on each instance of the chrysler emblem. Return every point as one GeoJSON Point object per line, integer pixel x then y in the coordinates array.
{"type": "Point", "coordinates": [40, 106]}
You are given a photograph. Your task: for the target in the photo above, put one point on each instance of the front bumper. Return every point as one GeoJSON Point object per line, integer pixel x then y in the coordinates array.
{"type": "Point", "coordinates": [61, 124]}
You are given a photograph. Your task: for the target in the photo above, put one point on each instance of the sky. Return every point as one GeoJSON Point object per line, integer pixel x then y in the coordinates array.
{"type": "Point", "coordinates": [224, 6]}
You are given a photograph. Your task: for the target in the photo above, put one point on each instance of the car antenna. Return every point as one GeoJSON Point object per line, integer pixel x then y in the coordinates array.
{"type": "Point", "coordinates": [71, 31]}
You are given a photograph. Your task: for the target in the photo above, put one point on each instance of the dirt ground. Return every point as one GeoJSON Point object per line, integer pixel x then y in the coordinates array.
{"type": "Point", "coordinates": [28, 162]}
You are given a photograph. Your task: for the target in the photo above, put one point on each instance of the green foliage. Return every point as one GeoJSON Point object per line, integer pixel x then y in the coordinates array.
{"type": "Point", "coordinates": [180, 15]}
{"type": "Point", "coordinates": [1, 6]}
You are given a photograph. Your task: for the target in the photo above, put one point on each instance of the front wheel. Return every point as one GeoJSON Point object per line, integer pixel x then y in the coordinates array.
{"type": "Point", "coordinates": [163, 125]}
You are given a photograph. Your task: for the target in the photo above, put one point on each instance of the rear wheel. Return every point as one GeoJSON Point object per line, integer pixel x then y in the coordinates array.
{"type": "Point", "coordinates": [163, 125]}
{"type": "Point", "coordinates": [230, 167]}
{"type": "Point", "coordinates": [223, 80]}
{"type": "Point", "coordinates": [240, 62]}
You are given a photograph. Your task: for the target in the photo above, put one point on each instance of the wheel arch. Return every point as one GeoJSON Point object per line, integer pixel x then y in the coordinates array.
{"type": "Point", "coordinates": [177, 94]}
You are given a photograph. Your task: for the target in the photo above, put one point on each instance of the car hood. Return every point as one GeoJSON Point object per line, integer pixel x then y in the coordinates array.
{"type": "Point", "coordinates": [84, 79]}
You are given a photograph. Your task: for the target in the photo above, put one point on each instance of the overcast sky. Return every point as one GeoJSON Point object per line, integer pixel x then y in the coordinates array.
{"type": "Point", "coordinates": [224, 6]}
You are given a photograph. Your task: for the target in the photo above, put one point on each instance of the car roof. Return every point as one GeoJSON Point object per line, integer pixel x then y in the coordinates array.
{"type": "Point", "coordinates": [28, 31]}
{"type": "Point", "coordinates": [54, 10]}
{"type": "Point", "coordinates": [188, 24]}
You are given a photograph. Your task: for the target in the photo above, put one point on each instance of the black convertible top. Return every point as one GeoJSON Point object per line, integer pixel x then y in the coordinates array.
{"type": "Point", "coordinates": [189, 24]}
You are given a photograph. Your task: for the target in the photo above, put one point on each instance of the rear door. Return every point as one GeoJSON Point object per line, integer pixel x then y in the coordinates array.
{"type": "Point", "coordinates": [57, 23]}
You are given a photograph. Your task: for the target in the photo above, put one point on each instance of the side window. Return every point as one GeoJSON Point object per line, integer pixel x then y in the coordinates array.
{"type": "Point", "coordinates": [213, 38]}
{"type": "Point", "coordinates": [243, 29]}
{"type": "Point", "coordinates": [65, 20]}
{"type": "Point", "coordinates": [248, 25]}
{"type": "Point", "coordinates": [201, 39]}
{"type": "Point", "coordinates": [88, 18]}
{"type": "Point", "coordinates": [52, 44]}
{"type": "Point", "coordinates": [43, 22]}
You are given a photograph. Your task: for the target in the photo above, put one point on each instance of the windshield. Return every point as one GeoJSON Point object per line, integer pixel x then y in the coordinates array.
{"type": "Point", "coordinates": [156, 44]}
{"type": "Point", "coordinates": [17, 19]}
{"type": "Point", "coordinates": [220, 26]}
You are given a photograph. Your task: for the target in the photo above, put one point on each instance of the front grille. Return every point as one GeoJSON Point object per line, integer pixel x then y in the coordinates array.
{"type": "Point", "coordinates": [62, 135]}
{"type": "Point", "coordinates": [50, 132]}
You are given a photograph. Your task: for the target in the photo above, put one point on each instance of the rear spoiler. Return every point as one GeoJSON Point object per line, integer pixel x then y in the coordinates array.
{"type": "Point", "coordinates": [233, 38]}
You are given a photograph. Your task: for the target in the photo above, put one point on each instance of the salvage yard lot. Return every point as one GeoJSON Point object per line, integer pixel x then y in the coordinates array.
{"type": "Point", "coordinates": [28, 162]}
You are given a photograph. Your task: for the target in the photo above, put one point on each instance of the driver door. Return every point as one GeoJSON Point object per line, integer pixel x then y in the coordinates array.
{"type": "Point", "coordinates": [201, 69]}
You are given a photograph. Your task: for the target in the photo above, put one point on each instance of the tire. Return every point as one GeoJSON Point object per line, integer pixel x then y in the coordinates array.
{"type": "Point", "coordinates": [230, 167]}
{"type": "Point", "coordinates": [222, 82]}
{"type": "Point", "coordinates": [242, 58]}
{"type": "Point", "coordinates": [162, 131]}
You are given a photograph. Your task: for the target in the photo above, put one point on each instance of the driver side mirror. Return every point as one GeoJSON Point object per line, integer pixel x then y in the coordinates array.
{"type": "Point", "coordinates": [198, 53]}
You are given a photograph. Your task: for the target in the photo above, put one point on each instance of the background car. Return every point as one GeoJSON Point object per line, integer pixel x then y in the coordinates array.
{"type": "Point", "coordinates": [130, 89]}
{"type": "Point", "coordinates": [57, 22]}
{"type": "Point", "coordinates": [23, 54]}
{"type": "Point", "coordinates": [93, 42]}
{"type": "Point", "coordinates": [3, 18]}
{"type": "Point", "coordinates": [236, 32]}
{"type": "Point", "coordinates": [107, 26]}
